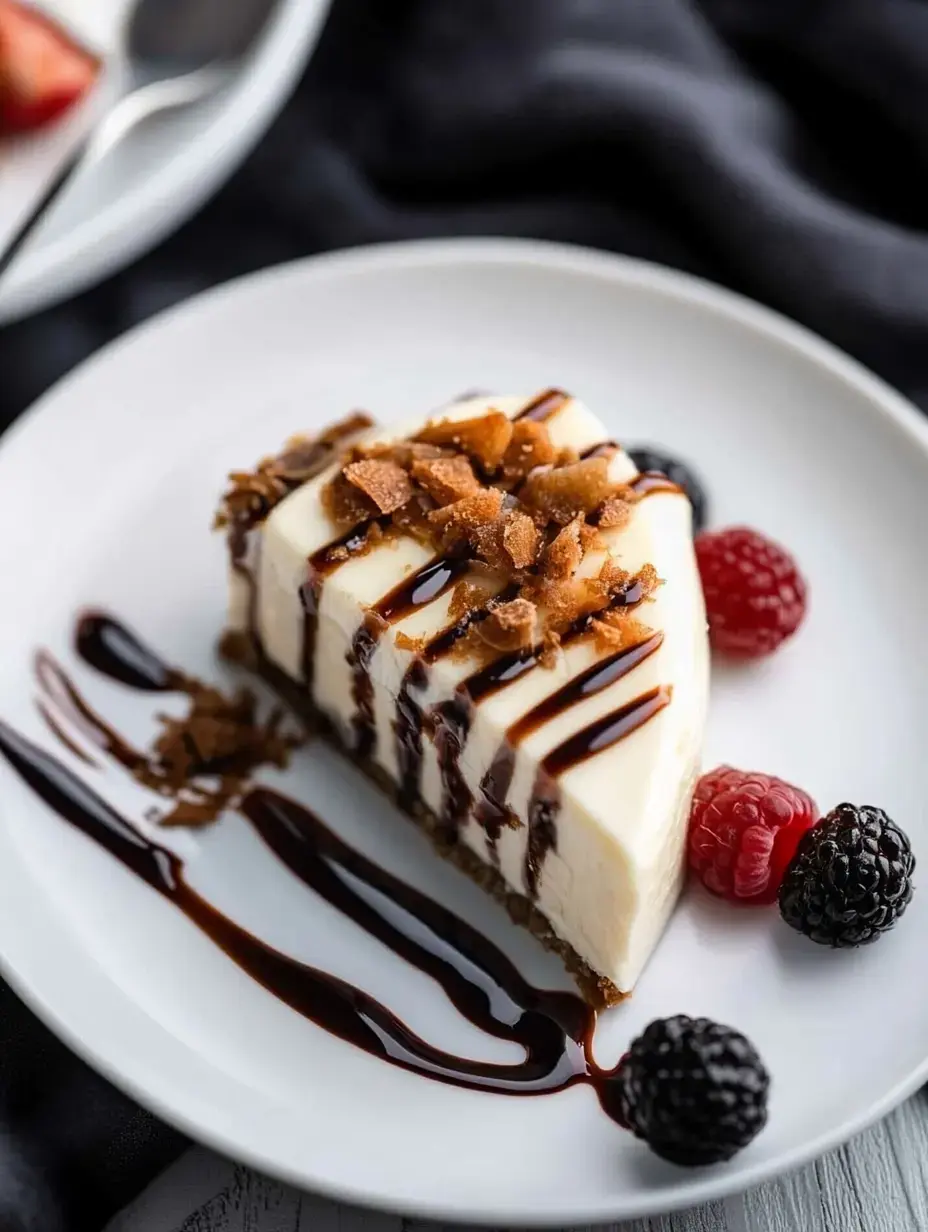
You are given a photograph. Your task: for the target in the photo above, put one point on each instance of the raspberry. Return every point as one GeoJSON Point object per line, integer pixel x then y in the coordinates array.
{"type": "Point", "coordinates": [744, 831]}
{"type": "Point", "coordinates": [755, 594]}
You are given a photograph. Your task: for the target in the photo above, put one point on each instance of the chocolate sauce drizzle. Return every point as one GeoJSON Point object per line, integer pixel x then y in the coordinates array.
{"type": "Point", "coordinates": [321, 565]}
{"type": "Point", "coordinates": [649, 482]}
{"type": "Point", "coordinates": [600, 449]}
{"type": "Point", "coordinates": [407, 728]}
{"type": "Point", "coordinates": [554, 1029]}
{"type": "Point", "coordinates": [605, 732]}
{"type": "Point", "coordinates": [492, 812]}
{"type": "Point", "coordinates": [592, 739]}
{"type": "Point", "coordinates": [450, 720]}
{"type": "Point", "coordinates": [545, 406]}
{"type": "Point", "coordinates": [453, 721]}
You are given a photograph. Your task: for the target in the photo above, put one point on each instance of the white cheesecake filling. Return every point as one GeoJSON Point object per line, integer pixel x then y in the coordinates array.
{"type": "Point", "coordinates": [610, 881]}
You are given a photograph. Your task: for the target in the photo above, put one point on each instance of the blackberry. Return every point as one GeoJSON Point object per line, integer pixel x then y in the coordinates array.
{"type": "Point", "coordinates": [694, 1090]}
{"type": "Point", "coordinates": [850, 879]}
{"type": "Point", "coordinates": [648, 459]}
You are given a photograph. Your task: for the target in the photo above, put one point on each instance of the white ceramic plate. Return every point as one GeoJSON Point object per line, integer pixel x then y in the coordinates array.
{"type": "Point", "coordinates": [106, 492]}
{"type": "Point", "coordinates": [124, 203]}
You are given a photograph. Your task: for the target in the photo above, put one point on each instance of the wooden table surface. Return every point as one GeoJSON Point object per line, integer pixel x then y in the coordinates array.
{"type": "Point", "coordinates": [877, 1183]}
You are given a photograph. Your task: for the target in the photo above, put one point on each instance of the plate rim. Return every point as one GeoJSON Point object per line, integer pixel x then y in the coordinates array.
{"type": "Point", "coordinates": [140, 1082]}
{"type": "Point", "coordinates": [135, 221]}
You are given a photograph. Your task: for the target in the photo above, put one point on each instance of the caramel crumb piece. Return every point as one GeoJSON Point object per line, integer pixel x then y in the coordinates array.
{"type": "Point", "coordinates": [458, 521]}
{"type": "Point", "coordinates": [253, 494]}
{"type": "Point", "coordinates": [590, 538]}
{"type": "Point", "coordinates": [486, 437]}
{"type": "Point", "coordinates": [488, 544]}
{"type": "Point", "coordinates": [613, 577]}
{"type": "Point", "coordinates": [220, 739]}
{"type": "Point", "coordinates": [648, 579]}
{"type": "Point", "coordinates": [345, 504]}
{"type": "Point", "coordinates": [413, 518]}
{"type": "Point", "coordinates": [305, 456]}
{"type": "Point", "coordinates": [550, 649]}
{"type": "Point", "coordinates": [236, 646]}
{"type": "Point", "coordinates": [413, 644]}
{"type": "Point", "coordinates": [382, 481]}
{"type": "Point", "coordinates": [569, 491]}
{"type": "Point", "coordinates": [520, 539]}
{"type": "Point", "coordinates": [530, 446]}
{"type": "Point", "coordinates": [563, 555]}
{"type": "Point", "coordinates": [466, 597]}
{"type": "Point", "coordinates": [446, 479]}
{"type": "Point", "coordinates": [616, 630]}
{"type": "Point", "coordinates": [511, 626]}
{"type": "Point", "coordinates": [614, 514]}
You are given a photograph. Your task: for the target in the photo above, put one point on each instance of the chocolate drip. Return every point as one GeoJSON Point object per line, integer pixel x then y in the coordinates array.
{"type": "Point", "coordinates": [491, 811]}
{"type": "Point", "coordinates": [545, 406]}
{"type": "Point", "coordinates": [482, 684]}
{"type": "Point", "coordinates": [605, 732]}
{"type": "Point", "coordinates": [422, 587]}
{"type": "Point", "coordinates": [542, 831]}
{"type": "Point", "coordinates": [595, 738]}
{"type": "Point", "coordinates": [601, 449]}
{"type": "Point", "coordinates": [510, 667]}
{"type": "Point", "coordinates": [451, 727]}
{"type": "Point", "coordinates": [118, 662]}
{"type": "Point", "coordinates": [554, 1029]}
{"type": "Point", "coordinates": [649, 482]}
{"type": "Point", "coordinates": [321, 564]}
{"type": "Point", "coordinates": [359, 657]}
{"type": "Point", "coordinates": [602, 674]}
{"type": "Point", "coordinates": [408, 729]}
{"type": "Point", "coordinates": [445, 641]}
{"type": "Point", "coordinates": [110, 648]}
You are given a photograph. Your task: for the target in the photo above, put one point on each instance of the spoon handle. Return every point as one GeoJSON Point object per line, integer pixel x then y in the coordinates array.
{"type": "Point", "coordinates": [127, 112]}
{"type": "Point", "coordinates": [14, 243]}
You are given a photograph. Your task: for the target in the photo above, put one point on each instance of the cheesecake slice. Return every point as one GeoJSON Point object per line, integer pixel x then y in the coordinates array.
{"type": "Point", "coordinates": [501, 620]}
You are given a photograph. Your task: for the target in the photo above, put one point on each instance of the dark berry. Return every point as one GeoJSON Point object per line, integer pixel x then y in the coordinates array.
{"type": "Point", "coordinates": [851, 878]}
{"type": "Point", "coordinates": [755, 595]}
{"type": "Point", "coordinates": [647, 459]}
{"type": "Point", "coordinates": [694, 1090]}
{"type": "Point", "coordinates": [744, 830]}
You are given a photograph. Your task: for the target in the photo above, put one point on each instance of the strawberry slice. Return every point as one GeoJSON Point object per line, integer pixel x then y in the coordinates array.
{"type": "Point", "coordinates": [43, 71]}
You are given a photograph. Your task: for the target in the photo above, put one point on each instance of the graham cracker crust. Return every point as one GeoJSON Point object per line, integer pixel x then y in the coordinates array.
{"type": "Point", "coordinates": [238, 648]}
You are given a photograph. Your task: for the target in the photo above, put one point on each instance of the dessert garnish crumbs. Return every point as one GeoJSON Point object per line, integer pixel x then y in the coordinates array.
{"type": "Point", "coordinates": [204, 760]}
{"type": "Point", "coordinates": [525, 512]}
{"type": "Point", "coordinates": [253, 494]}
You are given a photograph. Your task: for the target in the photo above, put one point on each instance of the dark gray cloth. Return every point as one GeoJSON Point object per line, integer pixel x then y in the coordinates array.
{"type": "Point", "coordinates": [777, 146]}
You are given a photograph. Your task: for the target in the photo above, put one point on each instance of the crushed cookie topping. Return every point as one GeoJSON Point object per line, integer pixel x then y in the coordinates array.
{"type": "Point", "coordinates": [204, 760]}
{"type": "Point", "coordinates": [511, 626]}
{"type": "Point", "coordinates": [484, 438]}
{"type": "Point", "coordinates": [526, 513]}
{"type": "Point", "coordinates": [253, 494]}
{"type": "Point", "coordinates": [382, 481]}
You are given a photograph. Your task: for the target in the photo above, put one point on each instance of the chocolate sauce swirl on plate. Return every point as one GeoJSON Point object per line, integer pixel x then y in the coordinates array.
{"type": "Point", "coordinates": [554, 1029]}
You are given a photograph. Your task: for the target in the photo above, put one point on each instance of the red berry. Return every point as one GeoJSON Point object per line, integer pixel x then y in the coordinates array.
{"type": "Point", "coordinates": [42, 71]}
{"type": "Point", "coordinates": [755, 594]}
{"type": "Point", "coordinates": [744, 830]}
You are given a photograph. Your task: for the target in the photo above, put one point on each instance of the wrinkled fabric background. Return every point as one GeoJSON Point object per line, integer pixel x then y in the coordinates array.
{"type": "Point", "coordinates": [779, 147]}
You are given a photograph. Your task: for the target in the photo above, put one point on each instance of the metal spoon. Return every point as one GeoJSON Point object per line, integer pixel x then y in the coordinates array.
{"type": "Point", "coordinates": [175, 52]}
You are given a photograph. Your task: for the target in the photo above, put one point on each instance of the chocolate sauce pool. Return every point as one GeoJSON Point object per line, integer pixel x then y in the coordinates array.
{"type": "Point", "coordinates": [555, 1029]}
